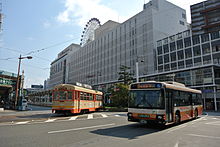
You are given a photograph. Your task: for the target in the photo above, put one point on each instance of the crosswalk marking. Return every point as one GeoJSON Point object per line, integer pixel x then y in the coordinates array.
{"type": "Point", "coordinates": [23, 122]}
{"type": "Point", "coordinates": [73, 118]}
{"type": "Point", "coordinates": [50, 120]}
{"type": "Point", "coordinates": [104, 115]}
{"type": "Point", "coordinates": [77, 117]}
{"type": "Point", "coordinates": [90, 116]}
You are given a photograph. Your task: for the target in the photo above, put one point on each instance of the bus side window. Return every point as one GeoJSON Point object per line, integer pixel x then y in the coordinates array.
{"type": "Point", "coordinates": [194, 99]}
{"type": "Point", "coordinates": [199, 99]}
{"type": "Point", "coordinates": [176, 98]}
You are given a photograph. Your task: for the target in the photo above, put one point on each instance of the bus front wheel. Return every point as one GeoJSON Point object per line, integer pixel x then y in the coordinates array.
{"type": "Point", "coordinates": [196, 113]}
{"type": "Point", "coordinates": [177, 118]}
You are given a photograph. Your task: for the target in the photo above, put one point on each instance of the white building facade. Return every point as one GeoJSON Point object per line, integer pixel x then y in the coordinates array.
{"type": "Point", "coordinates": [116, 44]}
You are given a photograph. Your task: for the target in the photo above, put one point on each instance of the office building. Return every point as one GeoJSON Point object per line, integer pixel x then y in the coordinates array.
{"type": "Point", "coordinates": [116, 44]}
{"type": "Point", "coordinates": [205, 17]}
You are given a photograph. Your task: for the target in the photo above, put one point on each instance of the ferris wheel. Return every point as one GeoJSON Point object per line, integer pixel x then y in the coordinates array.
{"type": "Point", "coordinates": [88, 33]}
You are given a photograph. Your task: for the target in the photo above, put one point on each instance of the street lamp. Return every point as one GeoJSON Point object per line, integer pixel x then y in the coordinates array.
{"type": "Point", "coordinates": [137, 69]}
{"type": "Point", "coordinates": [17, 82]}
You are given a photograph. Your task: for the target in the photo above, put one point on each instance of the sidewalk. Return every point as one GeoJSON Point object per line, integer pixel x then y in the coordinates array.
{"type": "Point", "coordinates": [212, 113]}
{"type": "Point", "coordinates": [13, 115]}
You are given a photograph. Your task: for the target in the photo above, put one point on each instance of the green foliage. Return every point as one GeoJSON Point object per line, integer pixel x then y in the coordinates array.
{"type": "Point", "coordinates": [119, 95]}
{"type": "Point", "coordinates": [124, 75]}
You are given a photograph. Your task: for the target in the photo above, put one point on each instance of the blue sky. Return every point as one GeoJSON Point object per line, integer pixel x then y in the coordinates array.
{"type": "Point", "coordinates": [45, 27]}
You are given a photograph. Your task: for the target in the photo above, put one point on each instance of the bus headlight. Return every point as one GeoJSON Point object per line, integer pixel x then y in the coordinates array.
{"type": "Point", "coordinates": [129, 114]}
{"type": "Point", "coordinates": [159, 116]}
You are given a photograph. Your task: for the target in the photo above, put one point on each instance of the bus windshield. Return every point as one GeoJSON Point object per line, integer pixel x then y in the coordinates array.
{"type": "Point", "coordinates": [146, 99]}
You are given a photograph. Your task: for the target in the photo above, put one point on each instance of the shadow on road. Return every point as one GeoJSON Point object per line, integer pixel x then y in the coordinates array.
{"type": "Point", "coordinates": [128, 131]}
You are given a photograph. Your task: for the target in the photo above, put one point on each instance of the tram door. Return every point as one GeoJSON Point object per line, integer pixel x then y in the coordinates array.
{"type": "Point", "coordinates": [169, 105]}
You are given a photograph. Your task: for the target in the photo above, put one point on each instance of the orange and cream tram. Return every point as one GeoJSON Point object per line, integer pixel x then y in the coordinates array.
{"type": "Point", "coordinates": [163, 102]}
{"type": "Point", "coordinates": [69, 98]}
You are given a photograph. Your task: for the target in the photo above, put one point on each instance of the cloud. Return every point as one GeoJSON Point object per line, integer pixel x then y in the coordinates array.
{"type": "Point", "coordinates": [80, 11]}
{"type": "Point", "coordinates": [46, 24]}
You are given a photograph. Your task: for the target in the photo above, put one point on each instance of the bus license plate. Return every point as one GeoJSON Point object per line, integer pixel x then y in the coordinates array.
{"type": "Point", "coordinates": [144, 115]}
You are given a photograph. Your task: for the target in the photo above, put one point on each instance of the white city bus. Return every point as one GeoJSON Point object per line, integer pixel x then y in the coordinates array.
{"type": "Point", "coordinates": [163, 102]}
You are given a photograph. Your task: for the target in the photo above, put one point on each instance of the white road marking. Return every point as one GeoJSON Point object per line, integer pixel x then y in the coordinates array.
{"type": "Point", "coordinates": [217, 123]}
{"type": "Point", "coordinates": [177, 144]}
{"type": "Point", "coordinates": [50, 120]}
{"type": "Point", "coordinates": [23, 122]}
{"type": "Point", "coordinates": [204, 136]}
{"type": "Point", "coordinates": [73, 118]}
{"type": "Point", "coordinates": [117, 115]}
{"type": "Point", "coordinates": [104, 115]}
{"type": "Point", "coordinates": [177, 128]}
{"type": "Point", "coordinates": [76, 129]}
{"type": "Point", "coordinates": [90, 116]}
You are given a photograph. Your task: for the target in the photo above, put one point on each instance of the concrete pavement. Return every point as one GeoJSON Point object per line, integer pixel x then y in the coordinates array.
{"type": "Point", "coordinates": [112, 131]}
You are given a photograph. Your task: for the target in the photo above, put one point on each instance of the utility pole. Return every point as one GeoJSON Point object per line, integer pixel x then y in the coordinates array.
{"type": "Point", "coordinates": [18, 79]}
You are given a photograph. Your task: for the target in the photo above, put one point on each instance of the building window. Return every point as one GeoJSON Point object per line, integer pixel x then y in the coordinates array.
{"type": "Point", "coordinates": [172, 46]}
{"type": "Point", "coordinates": [216, 58]}
{"type": "Point", "coordinates": [207, 59]}
{"type": "Point", "coordinates": [160, 68]}
{"type": "Point", "coordinates": [187, 42]}
{"type": "Point", "coordinates": [181, 22]}
{"type": "Point", "coordinates": [216, 46]}
{"type": "Point", "coordinates": [188, 53]}
{"type": "Point", "coordinates": [214, 35]}
{"type": "Point", "coordinates": [205, 37]}
{"type": "Point", "coordinates": [184, 15]}
{"type": "Point", "coordinates": [197, 61]}
{"type": "Point", "coordinates": [196, 51]}
{"type": "Point", "coordinates": [180, 55]}
{"type": "Point", "coordinates": [159, 50]}
{"type": "Point", "coordinates": [167, 67]}
{"type": "Point", "coordinates": [195, 40]}
{"type": "Point", "coordinates": [166, 58]}
{"type": "Point", "coordinates": [160, 60]}
{"type": "Point", "coordinates": [166, 48]}
{"type": "Point", "coordinates": [189, 63]}
{"type": "Point", "coordinates": [206, 48]}
{"type": "Point", "coordinates": [179, 44]}
{"type": "Point", "coordinates": [173, 56]}
{"type": "Point", "coordinates": [180, 64]}
{"type": "Point", "coordinates": [173, 66]}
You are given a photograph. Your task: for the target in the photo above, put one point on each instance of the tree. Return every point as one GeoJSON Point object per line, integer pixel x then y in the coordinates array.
{"type": "Point", "coordinates": [124, 75]}
{"type": "Point", "coordinates": [119, 95]}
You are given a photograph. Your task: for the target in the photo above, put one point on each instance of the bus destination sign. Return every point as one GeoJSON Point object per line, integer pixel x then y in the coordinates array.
{"type": "Point", "coordinates": [146, 85]}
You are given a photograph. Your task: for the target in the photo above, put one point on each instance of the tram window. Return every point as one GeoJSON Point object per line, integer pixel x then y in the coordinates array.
{"type": "Point", "coordinates": [63, 95]}
{"type": "Point", "coordinates": [90, 97]}
{"type": "Point", "coordinates": [56, 95]}
{"type": "Point", "coordinates": [69, 97]}
{"type": "Point", "coordinates": [98, 97]}
{"type": "Point", "coordinates": [81, 96]}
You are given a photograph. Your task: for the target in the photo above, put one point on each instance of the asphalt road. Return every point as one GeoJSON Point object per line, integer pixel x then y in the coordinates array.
{"type": "Point", "coordinates": [109, 129]}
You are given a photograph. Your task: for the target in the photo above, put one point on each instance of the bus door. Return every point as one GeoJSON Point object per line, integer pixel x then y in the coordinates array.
{"type": "Point", "coordinates": [191, 104]}
{"type": "Point", "coordinates": [169, 105]}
